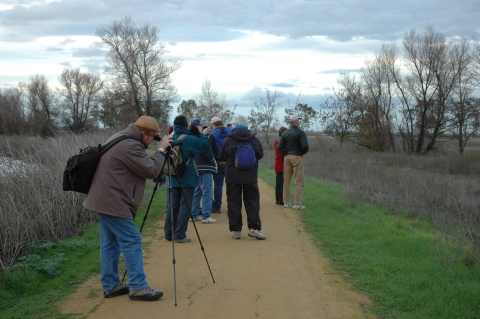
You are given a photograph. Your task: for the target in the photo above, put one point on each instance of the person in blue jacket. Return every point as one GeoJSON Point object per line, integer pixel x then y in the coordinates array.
{"type": "Point", "coordinates": [188, 181]}
{"type": "Point", "coordinates": [206, 166]}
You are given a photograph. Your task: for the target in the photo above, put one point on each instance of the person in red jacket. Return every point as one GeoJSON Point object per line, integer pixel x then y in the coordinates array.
{"type": "Point", "coordinates": [278, 166]}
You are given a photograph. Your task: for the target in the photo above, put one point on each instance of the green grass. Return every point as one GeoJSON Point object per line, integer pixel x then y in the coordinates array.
{"type": "Point", "coordinates": [33, 291]}
{"type": "Point", "coordinates": [399, 262]}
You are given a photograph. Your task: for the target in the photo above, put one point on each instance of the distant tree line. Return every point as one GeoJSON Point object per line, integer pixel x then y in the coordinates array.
{"type": "Point", "coordinates": [411, 97]}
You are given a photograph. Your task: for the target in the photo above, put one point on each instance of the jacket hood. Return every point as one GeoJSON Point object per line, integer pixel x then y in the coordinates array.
{"type": "Point", "coordinates": [241, 134]}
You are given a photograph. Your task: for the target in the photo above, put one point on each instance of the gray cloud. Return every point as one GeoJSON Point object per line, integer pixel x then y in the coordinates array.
{"type": "Point", "coordinates": [284, 85]}
{"type": "Point", "coordinates": [202, 20]}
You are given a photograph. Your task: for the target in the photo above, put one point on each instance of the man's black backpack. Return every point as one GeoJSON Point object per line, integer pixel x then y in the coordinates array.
{"type": "Point", "coordinates": [80, 169]}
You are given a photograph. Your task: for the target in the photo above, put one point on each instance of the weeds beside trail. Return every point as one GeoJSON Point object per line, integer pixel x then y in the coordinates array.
{"type": "Point", "coordinates": [401, 263]}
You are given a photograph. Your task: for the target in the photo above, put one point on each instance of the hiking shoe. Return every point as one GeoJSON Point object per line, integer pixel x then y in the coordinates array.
{"type": "Point", "coordinates": [185, 240]}
{"type": "Point", "coordinates": [287, 205]}
{"type": "Point", "coordinates": [237, 234]}
{"type": "Point", "coordinates": [145, 294]}
{"type": "Point", "coordinates": [216, 211]}
{"type": "Point", "coordinates": [198, 219]}
{"type": "Point", "coordinates": [298, 206]}
{"type": "Point", "coordinates": [255, 233]}
{"type": "Point", "coordinates": [118, 290]}
{"type": "Point", "coordinates": [209, 220]}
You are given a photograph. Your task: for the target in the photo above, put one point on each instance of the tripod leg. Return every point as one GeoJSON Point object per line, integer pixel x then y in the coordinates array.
{"type": "Point", "coordinates": [194, 225]}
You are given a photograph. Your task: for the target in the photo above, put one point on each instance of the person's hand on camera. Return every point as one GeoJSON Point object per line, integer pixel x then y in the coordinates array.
{"type": "Point", "coordinates": [164, 142]}
{"type": "Point", "coordinates": [206, 131]}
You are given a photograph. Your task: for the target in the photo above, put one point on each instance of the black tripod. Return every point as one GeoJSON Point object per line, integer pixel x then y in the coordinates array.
{"type": "Point", "coordinates": [170, 165]}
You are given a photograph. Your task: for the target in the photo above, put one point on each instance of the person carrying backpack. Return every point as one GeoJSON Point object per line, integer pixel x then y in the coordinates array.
{"type": "Point", "coordinates": [241, 151]}
{"type": "Point", "coordinates": [218, 134]}
{"type": "Point", "coordinates": [189, 180]}
{"type": "Point", "coordinates": [115, 194]}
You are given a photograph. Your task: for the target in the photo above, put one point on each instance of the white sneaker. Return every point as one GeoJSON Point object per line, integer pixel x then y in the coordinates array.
{"type": "Point", "coordinates": [237, 234]}
{"type": "Point", "coordinates": [197, 219]}
{"type": "Point", "coordinates": [209, 220]}
{"type": "Point", "coordinates": [298, 206]}
{"type": "Point", "coordinates": [287, 205]}
{"type": "Point", "coordinates": [255, 233]}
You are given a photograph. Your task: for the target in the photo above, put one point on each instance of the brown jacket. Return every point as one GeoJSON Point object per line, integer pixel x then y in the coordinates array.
{"type": "Point", "coordinates": [119, 183]}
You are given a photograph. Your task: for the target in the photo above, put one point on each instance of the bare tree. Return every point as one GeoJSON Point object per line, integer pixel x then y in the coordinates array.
{"type": "Point", "coordinates": [307, 113]}
{"type": "Point", "coordinates": [463, 113]}
{"type": "Point", "coordinates": [79, 91]}
{"type": "Point", "coordinates": [12, 113]}
{"type": "Point", "coordinates": [375, 115]}
{"type": "Point", "coordinates": [136, 64]}
{"type": "Point", "coordinates": [476, 59]}
{"type": "Point", "coordinates": [211, 104]}
{"type": "Point", "coordinates": [41, 104]}
{"type": "Point", "coordinates": [264, 116]}
{"type": "Point", "coordinates": [336, 115]}
{"type": "Point", "coordinates": [188, 108]}
{"type": "Point", "coordinates": [432, 67]}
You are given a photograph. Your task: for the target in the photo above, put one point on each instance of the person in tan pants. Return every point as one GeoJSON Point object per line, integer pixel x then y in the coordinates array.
{"type": "Point", "coordinates": [294, 143]}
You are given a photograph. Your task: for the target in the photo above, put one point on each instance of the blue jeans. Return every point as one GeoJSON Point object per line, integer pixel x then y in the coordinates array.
{"type": "Point", "coordinates": [218, 179]}
{"type": "Point", "coordinates": [204, 192]}
{"type": "Point", "coordinates": [181, 213]}
{"type": "Point", "coordinates": [120, 235]}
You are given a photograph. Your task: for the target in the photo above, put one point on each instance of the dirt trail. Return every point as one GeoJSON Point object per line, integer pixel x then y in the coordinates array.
{"type": "Point", "coordinates": [284, 276]}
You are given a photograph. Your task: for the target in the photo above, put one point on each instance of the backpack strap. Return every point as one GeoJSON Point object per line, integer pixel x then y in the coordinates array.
{"type": "Point", "coordinates": [108, 145]}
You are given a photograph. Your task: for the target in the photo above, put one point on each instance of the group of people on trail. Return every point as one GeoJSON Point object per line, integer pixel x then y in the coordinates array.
{"type": "Point", "coordinates": [119, 183]}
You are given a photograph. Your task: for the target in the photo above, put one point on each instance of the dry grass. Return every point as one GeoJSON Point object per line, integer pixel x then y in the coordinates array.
{"type": "Point", "coordinates": [442, 187]}
{"type": "Point", "coordinates": [33, 207]}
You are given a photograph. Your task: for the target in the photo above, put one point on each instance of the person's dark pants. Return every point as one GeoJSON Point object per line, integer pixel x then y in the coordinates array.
{"type": "Point", "coordinates": [279, 188]}
{"type": "Point", "coordinates": [181, 214]}
{"type": "Point", "coordinates": [218, 179]}
{"type": "Point", "coordinates": [251, 200]}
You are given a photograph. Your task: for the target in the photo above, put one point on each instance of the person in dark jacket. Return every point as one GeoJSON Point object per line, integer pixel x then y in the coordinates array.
{"type": "Point", "coordinates": [278, 167]}
{"type": "Point", "coordinates": [188, 181]}
{"type": "Point", "coordinates": [206, 166]}
{"type": "Point", "coordinates": [218, 134]}
{"type": "Point", "coordinates": [116, 193]}
{"type": "Point", "coordinates": [242, 183]}
{"type": "Point", "coordinates": [294, 142]}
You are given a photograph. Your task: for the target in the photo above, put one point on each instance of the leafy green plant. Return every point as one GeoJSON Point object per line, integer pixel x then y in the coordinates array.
{"type": "Point", "coordinates": [36, 262]}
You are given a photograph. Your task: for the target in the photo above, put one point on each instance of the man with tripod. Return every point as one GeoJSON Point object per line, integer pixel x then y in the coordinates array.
{"type": "Point", "coordinates": [116, 193]}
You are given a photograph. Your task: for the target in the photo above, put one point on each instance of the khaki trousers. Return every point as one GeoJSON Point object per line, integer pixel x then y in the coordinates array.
{"type": "Point", "coordinates": [293, 165]}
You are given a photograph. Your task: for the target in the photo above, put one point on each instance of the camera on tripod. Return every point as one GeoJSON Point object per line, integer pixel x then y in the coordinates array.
{"type": "Point", "coordinates": [172, 143]}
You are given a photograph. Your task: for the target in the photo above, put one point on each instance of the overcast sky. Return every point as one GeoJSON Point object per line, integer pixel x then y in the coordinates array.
{"type": "Point", "coordinates": [295, 47]}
